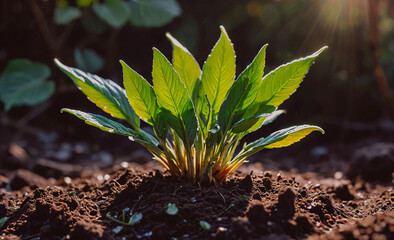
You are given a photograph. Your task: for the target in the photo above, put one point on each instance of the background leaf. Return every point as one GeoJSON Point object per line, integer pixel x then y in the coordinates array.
{"type": "Point", "coordinates": [114, 12]}
{"type": "Point", "coordinates": [25, 83]}
{"type": "Point", "coordinates": [153, 13]}
{"type": "Point", "coordinates": [66, 15]}
{"type": "Point", "coordinates": [92, 23]}
{"type": "Point", "coordinates": [88, 60]}
{"type": "Point", "coordinates": [106, 94]}
{"type": "Point", "coordinates": [219, 71]}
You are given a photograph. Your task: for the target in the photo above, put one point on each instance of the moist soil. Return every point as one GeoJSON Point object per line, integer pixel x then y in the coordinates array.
{"type": "Point", "coordinates": [264, 205]}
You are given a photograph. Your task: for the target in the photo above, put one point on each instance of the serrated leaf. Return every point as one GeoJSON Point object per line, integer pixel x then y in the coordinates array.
{"type": "Point", "coordinates": [153, 13]}
{"type": "Point", "coordinates": [172, 95]}
{"type": "Point", "coordinates": [88, 60]}
{"type": "Point", "coordinates": [280, 83]}
{"type": "Point", "coordinates": [282, 138]}
{"type": "Point", "coordinates": [106, 94]}
{"type": "Point", "coordinates": [172, 209]}
{"type": "Point", "coordinates": [218, 72]}
{"type": "Point", "coordinates": [185, 65]}
{"type": "Point", "coordinates": [102, 123]}
{"type": "Point", "coordinates": [114, 12]}
{"type": "Point", "coordinates": [66, 15]}
{"type": "Point", "coordinates": [140, 93]}
{"type": "Point", "coordinates": [243, 92]}
{"type": "Point", "coordinates": [25, 83]}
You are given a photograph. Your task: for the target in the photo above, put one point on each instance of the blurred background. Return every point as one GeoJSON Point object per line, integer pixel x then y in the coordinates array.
{"type": "Point", "coordinates": [348, 91]}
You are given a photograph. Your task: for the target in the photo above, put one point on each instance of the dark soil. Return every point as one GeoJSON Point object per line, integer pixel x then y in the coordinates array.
{"type": "Point", "coordinates": [245, 207]}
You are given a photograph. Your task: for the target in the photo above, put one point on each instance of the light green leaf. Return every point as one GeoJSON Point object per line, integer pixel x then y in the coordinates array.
{"type": "Point", "coordinates": [172, 95]}
{"type": "Point", "coordinates": [140, 93]}
{"type": "Point", "coordinates": [85, 3]}
{"type": "Point", "coordinates": [245, 125]}
{"type": "Point", "coordinates": [273, 116]}
{"type": "Point", "coordinates": [102, 123]}
{"type": "Point", "coordinates": [172, 209]}
{"type": "Point", "coordinates": [114, 12]}
{"type": "Point", "coordinates": [218, 72]}
{"type": "Point", "coordinates": [106, 94]}
{"type": "Point", "coordinates": [280, 83]}
{"type": "Point", "coordinates": [205, 225]}
{"type": "Point", "coordinates": [25, 83]}
{"type": "Point", "coordinates": [153, 13]}
{"type": "Point", "coordinates": [282, 138]}
{"type": "Point", "coordinates": [185, 65]}
{"type": "Point", "coordinates": [88, 60]}
{"type": "Point", "coordinates": [66, 15]}
{"type": "Point", "coordinates": [242, 93]}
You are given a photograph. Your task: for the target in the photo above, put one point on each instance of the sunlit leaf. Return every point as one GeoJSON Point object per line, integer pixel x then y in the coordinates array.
{"type": "Point", "coordinates": [106, 94]}
{"type": "Point", "coordinates": [219, 72]}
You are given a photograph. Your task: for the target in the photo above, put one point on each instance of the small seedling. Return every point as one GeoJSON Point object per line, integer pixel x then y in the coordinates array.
{"type": "Point", "coordinates": [204, 225]}
{"type": "Point", "coordinates": [136, 218]}
{"type": "Point", "coordinates": [198, 117]}
{"type": "Point", "coordinates": [172, 209]}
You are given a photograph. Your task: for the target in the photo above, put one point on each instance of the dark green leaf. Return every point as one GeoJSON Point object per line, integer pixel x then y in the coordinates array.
{"type": "Point", "coordinates": [218, 72]}
{"type": "Point", "coordinates": [140, 93]}
{"type": "Point", "coordinates": [88, 60]}
{"type": "Point", "coordinates": [25, 83]}
{"type": "Point", "coordinates": [92, 23]}
{"type": "Point", "coordinates": [153, 13]}
{"type": "Point", "coordinates": [114, 12]}
{"type": "Point", "coordinates": [66, 15]}
{"type": "Point", "coordinates": [106, 94]}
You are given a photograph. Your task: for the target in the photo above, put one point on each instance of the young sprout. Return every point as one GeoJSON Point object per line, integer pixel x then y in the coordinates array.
{"type": "Point", "coordinates": [172, 209]}
{"type": "Point", "coordinates": [198, 117]}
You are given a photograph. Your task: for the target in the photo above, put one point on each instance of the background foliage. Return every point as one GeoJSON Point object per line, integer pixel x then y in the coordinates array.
{"type": "Point", "coordinates": [93, 35]}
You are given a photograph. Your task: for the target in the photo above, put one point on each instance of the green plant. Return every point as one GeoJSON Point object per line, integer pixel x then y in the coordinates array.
{"type": "Point", "coordinates": [198, 117]}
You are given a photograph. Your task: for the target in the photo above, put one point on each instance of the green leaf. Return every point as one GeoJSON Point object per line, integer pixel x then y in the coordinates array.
{"type": "Point", "coordinates": [245, 125]}
{"type": "Point", "coordinates": [172, 209]}
{"type": "Point", "coordinates": [88, 60]}
{"type": "Point", "coordinates": [85, 3]}
{"type": "Point", "coordinates": [66, 15]}
{"type": "Point", "coordinates": [218, 72]}
{"type": "Point", "coordinates": [102, 123]}
{"type": "Point", "coordinates": [24, 83]}
{"type": "Point", "coordinates": [185, 65]}
{"type": "Point", "coordinates": [172, 95]}
{"type": "Point", "coordinates": [205, 225]}
{"type": "Point", "coordinates": [282, 138]}
{"type": "Point", "coordinates": [153, 13]}
{"type": "Point", "coordinates": [114, 12]}
{"type": "Point", "coordinates": [140, 93]}
{"type": "Point", "coordinates": [92, 23]}
{"type": "Point", "coordinates": [280, 83]}
{"type": "Point", "coordinates": [106, 94]}
{"type": "Point", "coordinates": [136, 218]}
{"type": "Point", "coordinates": [243, 92]}
{"type": "Point", "coordinates": [3, 220]}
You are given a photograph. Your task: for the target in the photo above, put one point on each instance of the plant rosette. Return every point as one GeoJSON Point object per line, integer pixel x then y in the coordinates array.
{"type": "Point", "coordinates": [198, 117]}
